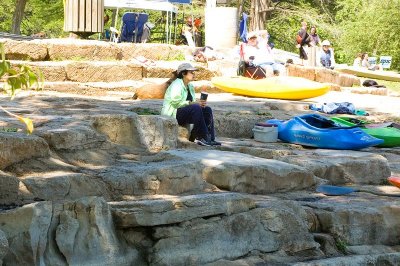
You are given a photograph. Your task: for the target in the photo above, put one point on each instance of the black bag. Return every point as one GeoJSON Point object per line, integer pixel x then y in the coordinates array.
{"type": "Point", "coordinates": [255, 72]}
{"type": "Point", "coordinates": [241, 70]}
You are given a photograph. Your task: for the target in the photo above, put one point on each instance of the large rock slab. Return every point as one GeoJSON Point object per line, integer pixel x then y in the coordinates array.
{"type": "Point", "coordinates": [61, 185]}
{"type": "Point", "coordinates": [52, 71]}
{"type": "Point", "coordinates": [358, 260]}
{"type": "Point", "coordinates": [340, 167]}
{"type": "Point", "coordinates": [25, 50]}
{"type": "Point", "coordinates": [359, 220]}
{"type": "Point", "coordinates": [73, 49]}
{"type": "Point", "coordinates": [121, 88]}
{"type": "Point", "coordinates": [244, 173]}
{"type": "Point", "coordinates": [9, 187]}
{"type": "Point", "coordinates": [337, 166]}
{"type": "Point", "coordinates": [172, 210]}
{"type": "Point", "coordinates": [72, 233]}
{"type": "Point", "coordinates": [154, 133]}
{"type": "Point", "coordinates": [158, 132]}
{"type": "Point", "coordinates": [199, 241]}
{"type": "Point", "coordinates": [237, 124]}
{"type": "Point", "coordinates": [76, 137]}
{"type": "Point", "coordinates": [106, 71]}
{"type": "Point", "coordinates": [26, 229]}
{"type": "Point", "coordinates": [325, 75]}
{"type": "Point", "coordinates": [3, 246]}
{"type": "Point", "coordinates": [347, 80]}
{"type": "Point", "coordinates": [152, 51]}
{"type": "Point", "coordinates": [169, 176]}
{"type": "Point", "coordinates": [16, 147]}
{"type": "Point", "coordinates": [301, 71]}
{"type": "Point", "coordinates": [85, 235]}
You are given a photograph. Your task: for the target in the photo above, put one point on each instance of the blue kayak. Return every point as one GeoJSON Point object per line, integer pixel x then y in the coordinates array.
{"type": "Point", "coordinates": [317, 131]}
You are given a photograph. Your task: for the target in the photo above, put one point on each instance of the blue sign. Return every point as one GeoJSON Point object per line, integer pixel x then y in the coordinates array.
{"type": "Point", "coordinates": [385, 61]}
{"type": "Point", "coordinates": [372, 60]}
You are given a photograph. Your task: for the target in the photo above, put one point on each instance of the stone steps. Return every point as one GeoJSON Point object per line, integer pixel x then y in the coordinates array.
{"type": "Point", "coordinates": [69, 49]}
{"type": "Point", "coordinates": [378, 259]}
{"type": "Point", "coordinates": [167, 209]}
{"type": "Point", "coordinates": [244, 227]}
{"type": "Point", "coordinates": [159, 65]}
{"type": "Point", "coordinates": [123, 88]}
{"type": "Point", "coordinates": [338, 167]}
{"type": "Point", "coordinates": [108, 71]}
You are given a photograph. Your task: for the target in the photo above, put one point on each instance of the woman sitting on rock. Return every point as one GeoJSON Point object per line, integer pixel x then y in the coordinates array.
{"type": "Point", "coordinates": [179, 102]}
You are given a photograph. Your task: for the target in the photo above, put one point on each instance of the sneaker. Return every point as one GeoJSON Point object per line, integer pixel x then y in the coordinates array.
{"type": "Point", "coordinates": [215, 143]}
{"type": "Point", "coordinates": [202, 142]}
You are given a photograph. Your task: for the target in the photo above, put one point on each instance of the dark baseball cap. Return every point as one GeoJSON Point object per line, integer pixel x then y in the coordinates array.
{"type": "Point", "coordinates": [185, 66]}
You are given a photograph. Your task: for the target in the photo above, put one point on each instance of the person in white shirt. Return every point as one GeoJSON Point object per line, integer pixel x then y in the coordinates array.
{"type": "Point", "coordinates": [257, 52]}
{"type": "Point", "coordinates": [365, 63]}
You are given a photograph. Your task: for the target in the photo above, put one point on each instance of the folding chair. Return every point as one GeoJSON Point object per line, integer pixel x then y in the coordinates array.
{"type": "Point", "coordinates": [244, 69]}
{"type": "Point", "coordinates": [141, 20]}
{"type": "Point", "coordinates": [129, 21]}
{"type": "Point", "coordinates": [132, 26]}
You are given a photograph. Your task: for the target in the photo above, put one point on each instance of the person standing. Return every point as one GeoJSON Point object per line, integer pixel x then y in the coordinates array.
{"type": "Point", "coordinates": [179, 102]}
{"type": "Point", "coordinates": [314, 38]}
{"type": "Point", "coordinates": [303, 39]}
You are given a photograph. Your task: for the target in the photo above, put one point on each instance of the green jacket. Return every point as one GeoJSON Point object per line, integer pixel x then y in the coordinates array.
{"type": "Point", "coordinates": [175, 97]}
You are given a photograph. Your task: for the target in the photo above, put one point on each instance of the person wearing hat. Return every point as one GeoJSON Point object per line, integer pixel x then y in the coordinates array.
{"type": "Point", "coordinates": [257, 52]}
{"type": "Point", "coordinates": [327, 58]}
{"type": "Point", "coordinates": [179, 102]}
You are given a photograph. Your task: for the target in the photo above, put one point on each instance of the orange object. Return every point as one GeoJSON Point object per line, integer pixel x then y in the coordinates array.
{"type": "Point", "coordinates": [298, 39]}
{"type": "Point", "coordinates": [394, 180]}
{"type": "Point", "coordinates": [197, 22]}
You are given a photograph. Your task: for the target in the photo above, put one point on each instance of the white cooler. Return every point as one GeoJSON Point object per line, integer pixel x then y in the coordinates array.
{"type": "Point", "coordinates": [266, 133]}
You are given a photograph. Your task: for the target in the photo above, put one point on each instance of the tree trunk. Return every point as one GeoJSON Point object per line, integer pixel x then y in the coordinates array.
{"type": "Point", "coordinates": [258, 14]}
{"type": "Point", "coordinates": [17, 17]}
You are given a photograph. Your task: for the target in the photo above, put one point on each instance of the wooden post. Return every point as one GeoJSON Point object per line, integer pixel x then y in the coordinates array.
{"type": "Point", "coordinates": [84, 16]}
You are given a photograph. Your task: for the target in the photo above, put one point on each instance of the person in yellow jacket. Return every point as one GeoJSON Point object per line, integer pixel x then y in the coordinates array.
{"type": "Point", "coordinates": [180, 102]}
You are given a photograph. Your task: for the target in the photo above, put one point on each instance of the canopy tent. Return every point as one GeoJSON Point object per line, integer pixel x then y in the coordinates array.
{"type": "Point", "coordinates": [158, 5]}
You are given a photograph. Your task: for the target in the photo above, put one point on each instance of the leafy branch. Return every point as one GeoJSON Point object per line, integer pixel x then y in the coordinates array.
{"type": "Point", "coordinates": [14, 80]}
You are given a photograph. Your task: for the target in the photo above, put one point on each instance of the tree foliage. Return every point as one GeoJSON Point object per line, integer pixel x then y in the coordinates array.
{"type": "Point", "coordinates": [369, 26]}
{"type": "Point", "coordinates": [39, 16]}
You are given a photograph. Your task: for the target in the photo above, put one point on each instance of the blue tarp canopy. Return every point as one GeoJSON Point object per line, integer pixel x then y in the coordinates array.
{"type": "Point", "coordinates": [180, 1]}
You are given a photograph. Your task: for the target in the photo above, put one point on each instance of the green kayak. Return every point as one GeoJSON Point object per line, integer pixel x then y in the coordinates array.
{"type": "Point", "coordinates": [389, 132]}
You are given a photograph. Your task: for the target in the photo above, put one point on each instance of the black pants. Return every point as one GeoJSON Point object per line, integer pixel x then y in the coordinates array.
{"type": "Point", "coordinates": [303, 54]}
{"type": "Point", "coordinates": [201, 118]}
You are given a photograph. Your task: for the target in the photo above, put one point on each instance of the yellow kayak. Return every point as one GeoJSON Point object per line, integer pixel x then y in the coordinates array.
{"type": "Point", "coordinates": [372, 74]}
{"type": "Point", "coordinates": [286, 88]}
